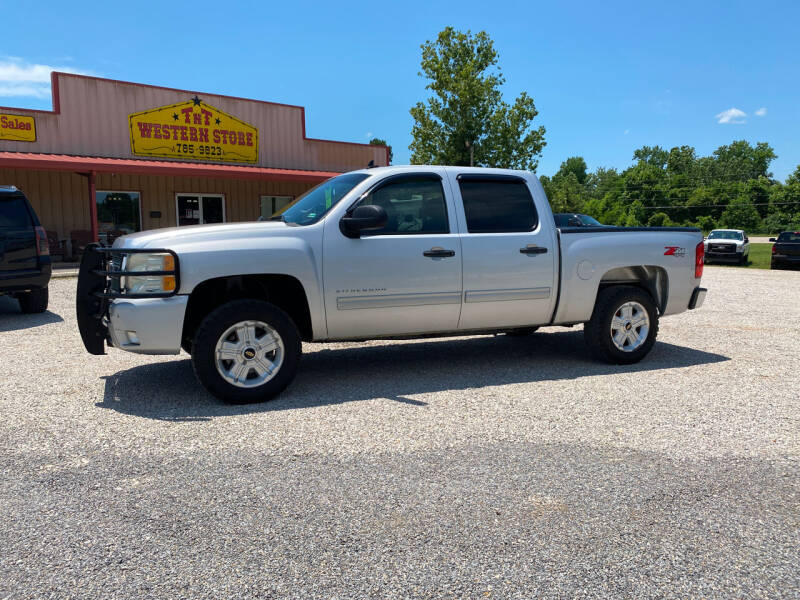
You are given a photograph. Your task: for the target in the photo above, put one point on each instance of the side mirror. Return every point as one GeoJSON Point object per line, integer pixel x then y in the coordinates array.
{"type": "Point", "coordinates": [363, 218]}
{"type": "Point", "coordinates": [773, 239]}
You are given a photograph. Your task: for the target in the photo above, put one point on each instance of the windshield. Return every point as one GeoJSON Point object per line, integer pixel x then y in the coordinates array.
{"type": "Point", "coordinates": [312, 206]}
{"type": "Point", "coordinates": [725, 235]}
{"type": "Point", "coordinates": [587, 220]}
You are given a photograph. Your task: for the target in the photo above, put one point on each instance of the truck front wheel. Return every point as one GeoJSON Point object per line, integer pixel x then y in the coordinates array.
{"type": "Point", "coordinates": [246, 351]}
{"type": "Point", "coordinates": [623, 326]}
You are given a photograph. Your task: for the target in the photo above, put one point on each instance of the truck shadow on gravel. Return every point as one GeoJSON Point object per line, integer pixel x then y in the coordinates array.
{"type": "Point", "coordinates": [13, 319]}
{"type": "Point", "coordinates": [169, 391]}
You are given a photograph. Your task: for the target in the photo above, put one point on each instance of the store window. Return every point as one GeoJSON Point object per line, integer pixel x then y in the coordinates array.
{"type": "Point", "coordinates": [274, 204]}
{"type": "Point", "coordinates": [118, 213]}
{"type": "Point", "coordinates": [200, 209]}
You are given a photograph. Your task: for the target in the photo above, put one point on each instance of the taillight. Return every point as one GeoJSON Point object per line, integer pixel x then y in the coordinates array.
{"type": "Point", "coordinates": [773, 248]}
{"type": "Point", "coordinates": [699, 255]}
{"type": "Point", "coordinates": [42, 247]}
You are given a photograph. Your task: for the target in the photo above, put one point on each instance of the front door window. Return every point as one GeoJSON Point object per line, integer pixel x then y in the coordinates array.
{"type": "Point", "coordinates": [200, 209]}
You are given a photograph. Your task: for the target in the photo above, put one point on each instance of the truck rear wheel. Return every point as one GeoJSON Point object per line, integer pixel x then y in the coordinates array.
{"type": "Point", "coordinates": [34, 301]}
{"type": "Point", "coordinates": [623, 327]}
{"type": "Point", "coordinates": [246, 351]}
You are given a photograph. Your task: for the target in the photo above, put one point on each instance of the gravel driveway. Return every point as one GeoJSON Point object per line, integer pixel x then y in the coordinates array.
{"type": "Point", "coordinates": [470, 468]}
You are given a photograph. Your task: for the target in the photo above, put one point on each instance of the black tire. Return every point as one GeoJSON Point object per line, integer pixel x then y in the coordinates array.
{"type": "Point", "coordinates": [214, 326]}
{"type": "Point", "coordinates": [597, 332]}
{"type": "Point", "coordinates": [34, 301]}
{"type": "Point", "coordinates": [522, 332]}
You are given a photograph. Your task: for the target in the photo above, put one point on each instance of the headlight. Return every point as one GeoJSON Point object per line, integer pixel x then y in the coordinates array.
{"type": "Point", "coordinates": [149, 284]}
{"type": "Point", "coordinates": [740, 248]}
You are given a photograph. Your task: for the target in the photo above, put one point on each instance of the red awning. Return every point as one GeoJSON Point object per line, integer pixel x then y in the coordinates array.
{"type": "Point", "coordinates": [65, 162]}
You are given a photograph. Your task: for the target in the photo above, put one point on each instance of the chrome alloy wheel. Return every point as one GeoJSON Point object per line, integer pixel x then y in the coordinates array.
{"type": "Point", "coordinates": [249, 353]}
{"type": "Point", "coordinates": [630, 326]}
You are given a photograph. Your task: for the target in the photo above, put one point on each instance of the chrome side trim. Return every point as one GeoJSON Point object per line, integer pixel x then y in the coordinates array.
{"type": "Point", "coordinates": [395, 300]}
{"type": "Point", "coordinates": [504, 295]}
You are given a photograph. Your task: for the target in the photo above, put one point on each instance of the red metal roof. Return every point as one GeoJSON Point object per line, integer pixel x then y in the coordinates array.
{"type": "Point", "coordinates": [84, 164]}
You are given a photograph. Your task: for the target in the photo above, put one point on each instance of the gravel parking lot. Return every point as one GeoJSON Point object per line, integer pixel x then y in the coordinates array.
{"type": "Point", "coordinates": [476, 467]}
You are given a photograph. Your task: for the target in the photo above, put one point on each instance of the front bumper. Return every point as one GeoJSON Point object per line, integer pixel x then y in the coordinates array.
{"type": "Point", "coordinates": [724, 256]}
{"type": "Point", "coordinates": [149, 324]}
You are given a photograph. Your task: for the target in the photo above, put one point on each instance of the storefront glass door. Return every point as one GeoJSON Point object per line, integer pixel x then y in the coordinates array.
{"type": "Point", "coordinates": [197, 209]}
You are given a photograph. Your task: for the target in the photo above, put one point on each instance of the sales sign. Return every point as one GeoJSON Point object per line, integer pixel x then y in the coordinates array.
{"type": "Point", "coordinates": [193, 130]}
{"type": "Point", "coordinates": [17, 128]}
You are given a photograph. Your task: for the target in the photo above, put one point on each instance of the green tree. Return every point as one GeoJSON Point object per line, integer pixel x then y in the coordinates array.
{"type": "Point", "coordinates": [575, 165]}
{"type": "Point", "coordinates": [741, 214]}
{"type": "Point", "coordinates": [654, 156]}
{"type": "Point", "coordinates": [380, 142]}
{"type": "Point", "coordinates": [466, 121]}
{"type": "Point", "coordinates": [794, 178]}
{"type": "Point", "coordinates": [740, 161]}
{"type": "Point", "coordinates": [659, 219]}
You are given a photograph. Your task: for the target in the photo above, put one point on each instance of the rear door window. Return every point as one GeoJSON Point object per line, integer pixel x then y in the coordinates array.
{"type": "Point", "coordinates": [14, 213]}
{"type": "Point", "coordinates": [497, 204]}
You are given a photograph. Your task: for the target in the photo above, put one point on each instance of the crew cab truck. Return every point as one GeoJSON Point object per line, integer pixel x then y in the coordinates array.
{"type": "Point", "coordinates": [382, 253]}
{"type": "Point", "coordinates": [727, 245]}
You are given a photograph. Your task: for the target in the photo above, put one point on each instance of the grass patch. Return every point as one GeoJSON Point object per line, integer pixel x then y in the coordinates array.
{"type": "Point", "coordinates": [759, 257]}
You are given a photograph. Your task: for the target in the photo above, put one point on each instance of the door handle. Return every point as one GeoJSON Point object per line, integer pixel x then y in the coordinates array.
{"type": "Point", "coordinates": [533, 250]}
{"type": "Point", "coordinates": [437, 252]}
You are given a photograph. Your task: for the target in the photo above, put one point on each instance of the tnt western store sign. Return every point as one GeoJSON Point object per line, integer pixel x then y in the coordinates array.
{"type": "Point", "coordinates": [193, 130]}
{"type": "Point", "coordinates": [160, 157]}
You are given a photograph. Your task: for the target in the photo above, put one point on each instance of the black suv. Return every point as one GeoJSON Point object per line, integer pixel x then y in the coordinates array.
{"type": "Point", "coordinates": [24, 252]}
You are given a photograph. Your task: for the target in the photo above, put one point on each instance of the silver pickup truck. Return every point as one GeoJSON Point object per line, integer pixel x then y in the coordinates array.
{"type": "Point", "coordinates": [381, 253]}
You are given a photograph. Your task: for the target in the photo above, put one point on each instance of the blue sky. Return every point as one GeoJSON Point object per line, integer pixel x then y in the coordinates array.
{"type": "Point", "coordinates": [607, 78]}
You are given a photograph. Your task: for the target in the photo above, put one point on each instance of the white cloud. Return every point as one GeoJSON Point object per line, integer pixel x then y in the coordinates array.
{"type": "Point", "coordinates": [19, 78]}
{"type": "Point", "coordinates": [732, 115]}
{"type": "Point", "coordinates": [627, 131]}
{"type": "Point", "coordinates": [368, 134]}
{"type": "Point", "coordinates": [761, 112]}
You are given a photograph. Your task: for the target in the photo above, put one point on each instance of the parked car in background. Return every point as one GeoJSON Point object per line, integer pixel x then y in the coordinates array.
{"type": "Point", "coordinates": [785, 250]}
{"type": "Point", "coordinates": [727, 245]}
{"type": "Point", "coordinates": [576, 220]}
{"type": "Point", "coordinates": [382, 253]}
{"type": "Point", "coordinates": [24, 252]}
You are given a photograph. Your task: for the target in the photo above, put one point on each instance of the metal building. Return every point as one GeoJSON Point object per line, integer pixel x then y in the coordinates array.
{"type": "Point", "coordinates": [114, 157]}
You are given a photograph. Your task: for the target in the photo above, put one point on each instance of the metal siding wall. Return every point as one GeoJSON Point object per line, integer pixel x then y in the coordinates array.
{"type": "Point", "coordinates": [59, 199]}
{"type": "Point", "coordinates": [94, 122]}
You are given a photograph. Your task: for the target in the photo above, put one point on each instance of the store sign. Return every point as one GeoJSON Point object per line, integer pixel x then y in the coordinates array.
{"type": "Point", "coordinates": [17, 128]}
{"type": "Point", "coordinates": [193, 130]}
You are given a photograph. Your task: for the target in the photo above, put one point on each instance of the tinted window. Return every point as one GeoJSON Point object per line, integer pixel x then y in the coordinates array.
{"type": "Point", "coordinates": [561, 219]}
{"type": "Point", "coordinates": [413, 205]}
{"type": "Point", "coordinates": [497, 205]}
{"type": "Point", "coordinates": [590, 221]}
{"type": "Point", "coordinates": [788, 236]}
{"type": "Point", "coordinates": [14, 213]}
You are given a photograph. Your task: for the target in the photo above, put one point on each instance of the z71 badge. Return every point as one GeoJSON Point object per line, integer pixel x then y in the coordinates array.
{"type": "Point", "coordinates": [674, 251]}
